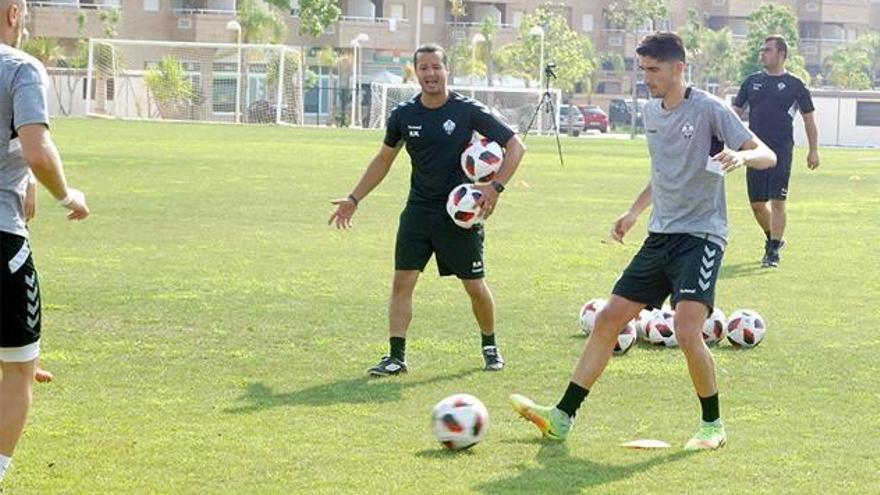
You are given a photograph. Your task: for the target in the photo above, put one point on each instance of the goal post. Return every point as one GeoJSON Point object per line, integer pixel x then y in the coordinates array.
{"type": "Point", "coordinates": [197, 82]}
{"type": "Point", "coordinates": [515, 106]}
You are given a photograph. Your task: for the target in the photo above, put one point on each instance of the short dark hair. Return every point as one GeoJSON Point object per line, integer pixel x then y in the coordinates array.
{"type": "Point", "coordinates": [664, 46]}
{"type": "Point", "coordinates": [429, 48]}
{"type": "Point", "coordinates": [781, 43]}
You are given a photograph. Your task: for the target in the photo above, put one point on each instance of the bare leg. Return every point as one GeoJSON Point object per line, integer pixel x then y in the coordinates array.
{"type": "Point", "coordinates": [482, 303]}
{"type": "Point", "coordinates": [762, 215]}
{"type": "Point", "coordinates": [689, 319]}
{"type": "Point", "coordinates": [16, 387]}
{"type": "Point", "coordinates": [400, 304]}
{"type": "Point", "coordinates": [778, 219]}
{"type": "Point", "coordinates": [594, 358]}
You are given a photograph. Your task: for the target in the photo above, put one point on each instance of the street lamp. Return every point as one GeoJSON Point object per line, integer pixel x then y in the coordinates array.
{"type": "Point", "coordinates": [478, 38]}
{"type": "Point", "coordinates": [235, 26]}
{"type": "Point", "coordinates": [539, 31]}
{"type": "Point", "coordinates": [356, 45]}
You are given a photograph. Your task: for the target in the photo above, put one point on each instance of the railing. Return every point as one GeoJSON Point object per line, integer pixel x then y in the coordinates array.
{"type": "Point", "coordinates": [75, 5]}
{"type": "Point", "coordinates": [188, 10]}
{"type": "Point", "coordinates": [372, 20]}
{"type": "Point", "coordinates": [469, 24]}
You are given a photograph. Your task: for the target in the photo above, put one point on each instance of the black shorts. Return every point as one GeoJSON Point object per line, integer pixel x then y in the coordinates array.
{"type": "Point", "coordinates": [771, 183]}
{"type": "Point", "coordinates": [20, 311]}
{"type": "Point", "coordinates": [425, 231]}
{"type": "Point", "coordinates": [681, 265]}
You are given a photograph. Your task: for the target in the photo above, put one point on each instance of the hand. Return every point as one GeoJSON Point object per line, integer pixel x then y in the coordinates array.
{"type": "Point", "coordinates": [622, 225]}
{"type": "Point", "coordinates": [30, 202]}
{"type": "Point", "coordinates": [76, 204]}
{"type": "Point", "coordinates": [730, 160]}
{"type": "Point", "coordinates": [345, 209]}
{"type": "Point", "coordinates": [489, 199]}
{"type": "Point", "coordinates": [813, 160]}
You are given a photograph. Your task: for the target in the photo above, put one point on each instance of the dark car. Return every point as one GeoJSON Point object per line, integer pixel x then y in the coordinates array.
{"type": "Point", "coordinates": [595, 118]}
{"type": "Point", "coordinates": [620, 113]}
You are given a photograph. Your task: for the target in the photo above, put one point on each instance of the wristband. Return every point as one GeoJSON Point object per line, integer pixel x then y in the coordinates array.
{"type": "Point", "coordinates": [353, 199]}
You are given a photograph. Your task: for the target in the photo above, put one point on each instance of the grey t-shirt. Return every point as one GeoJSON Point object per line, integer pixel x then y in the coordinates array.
{"type": "Point", "coordinates": [23, 85]}
{"type": "Point", "coordinates": [687, 193]}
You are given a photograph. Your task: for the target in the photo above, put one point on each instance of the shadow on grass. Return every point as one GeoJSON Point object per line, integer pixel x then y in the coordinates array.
{"type": "Point", "coordinates": [361, 390]}
{"type": "Point", "coordinates": [561, 474]}
{"type": "Point", "coordinates": [742, 270]}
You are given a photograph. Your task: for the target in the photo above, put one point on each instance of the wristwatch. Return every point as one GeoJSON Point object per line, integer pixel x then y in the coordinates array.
{"type": "Point", "coordinates": [499, 187]}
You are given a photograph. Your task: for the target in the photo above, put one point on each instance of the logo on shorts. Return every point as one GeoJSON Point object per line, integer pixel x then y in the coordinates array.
{"type": "Point", "coordinates": [707, 268]}
{"type": "Point", "coordinates": [780, 86]}
{"type": "Point", "coordinates": [414, 130]}
{"type": "Point", "coordinates": [687, 130]}
{"type": "Point", "coordinates": [476, 266]}
{"type": "Point", "coordinates": [449, 127]}
{"type": "Point", "coordinates": [688, 291]}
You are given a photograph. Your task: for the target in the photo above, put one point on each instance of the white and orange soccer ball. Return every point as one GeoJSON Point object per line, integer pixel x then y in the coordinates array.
{"type": "Point", "coordinates": [626, 339]}
{"type": "Point", "coordinates": [660, 329]}
{"type": "Point", "coordinates": [460, 421]}
{"type": "Point", "coordinates": [481, 160]}
{"type": "Point", "coordinates": [463, 206]}
{"type": "Point", "coordinates": [587, 315]}
{"type": "Point", "coordinates": [745, 328]}
{"type": "Point", "coordinates": [715, 328]}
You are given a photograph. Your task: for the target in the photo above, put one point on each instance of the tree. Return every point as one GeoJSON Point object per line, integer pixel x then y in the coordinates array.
{"type": "Point", "coordinates": [457, 10]}
{"type": "Point", "coordinates": [316, 15]}
{"type": "Point", "coordinates": [852, 66]}
{"type": "Point", "coordinates": [488, 30]}
{"type": "Point", "coordinates": [572, 54]}
{"type": "Point", "coordinates": [260, 23]}
{"type": "Point", "coordinates": [608, 61]}
{"type": "Point", "coordinates": [766, 20]}
{"type": "Point", "coordinates": [632, 16]}
{"type": "Point", "coordinates": [170, 87]}
{"type": "Point", "coordinates": [46, 50]}
{"type": "Point", "coordinates": [710, 54]}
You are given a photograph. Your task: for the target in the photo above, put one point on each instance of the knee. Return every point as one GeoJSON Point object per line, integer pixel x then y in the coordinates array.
{"type": "Point", "coordinates": [609, 321]}
{"type": "Point", "coordinates": [689, 339]}
{"type": "Point", "coordinates": [759, 207]}
{"type": "Point", "coordinates": [402, 287]}
{"type": "Point", "coordinates": [19, 372]}
{"type": "Point", "coordinates": [476, 289]}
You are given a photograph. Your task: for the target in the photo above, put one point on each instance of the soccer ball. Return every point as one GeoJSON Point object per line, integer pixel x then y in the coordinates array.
{"type": "Point", "coordinates": [745, 328]}
{"type": "Point", "coordinates": [588, 314]}
{"type": "Point", "coordinates": [460, 421]}
{"type": "Point", "coordinates": [625, 340]}
{"type": "Point", "coordinates": [715, 328]}
{"type": "Point", "coordinates": [661, 328]}
{"type": "Point", "coordinates": [481, 160]}
{"type": "Point", "coordinates": [463, 206]}
{"type": "Point", "coordinates": [640, 322]}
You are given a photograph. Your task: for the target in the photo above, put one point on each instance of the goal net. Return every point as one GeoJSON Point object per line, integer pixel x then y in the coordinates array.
{"type": "Point", "coordinates": [515, 106]}
{"type": "Point", "coordinates": [202, 82]}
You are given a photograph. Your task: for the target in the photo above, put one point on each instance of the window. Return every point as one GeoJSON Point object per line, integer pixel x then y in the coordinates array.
{"type": "Point", "coordinates": [184, 23]}
{"type": "Point", "coordinates": [397, 11]}
{"type": "Point", "coordinates": [429, 15]}
{"type": "Point", "coordinates": [587, 22]}
{"type": "Point", "coordinates": [151, 5]}
{"type": "Point", "coordinates": [868, 113]}
{"type": "Point", "coordinates": [517, 17]}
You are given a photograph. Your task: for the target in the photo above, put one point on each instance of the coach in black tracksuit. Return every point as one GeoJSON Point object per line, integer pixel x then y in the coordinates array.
{"type": "Point", "coordinates": [436, 126]}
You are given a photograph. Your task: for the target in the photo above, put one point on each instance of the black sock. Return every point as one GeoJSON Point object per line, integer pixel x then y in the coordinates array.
{"type": "Point", "coordinates": [488, 339]}
{"type": "Point", "coordinates": [775, 243]}
{"type": "Point", "coordinates": [710, 408]}
{"type": "Point", "coordinates": [398, 348]}
{"type": "Point", "coordinates": [767, 233]}
{"type": "Point", "coordinates": [573, 398]}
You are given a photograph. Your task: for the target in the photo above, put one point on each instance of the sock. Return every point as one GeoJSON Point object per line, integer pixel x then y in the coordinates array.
{"type": "Point", "coordinates": [398, 348]}
{"type": "Point", "coordinates": [4, 465]}
{"type": "Point", "coordinates": [572, 400]}
{"type": "Point", "coordinates": [767, 233]}
{"type": "Point", "coordinates": [710, 408]}
{"type": "Point", "coordinates": [775, 244]}
{"type": "Point", "coordinates": [488, 340]}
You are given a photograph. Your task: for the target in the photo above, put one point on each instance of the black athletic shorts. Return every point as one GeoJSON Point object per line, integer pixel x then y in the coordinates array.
{"type": "Point", "coordinates": [681, 265]}
{"type": "Point", "coordinates": [425, 231]}
{"type": "Point", "coordinates": [771, 183]}
{"type": "Point", "coordinates": [20, 310]}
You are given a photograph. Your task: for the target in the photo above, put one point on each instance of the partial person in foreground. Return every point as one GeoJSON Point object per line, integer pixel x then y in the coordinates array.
{"type": "Point", "coordinates": [687, 130]}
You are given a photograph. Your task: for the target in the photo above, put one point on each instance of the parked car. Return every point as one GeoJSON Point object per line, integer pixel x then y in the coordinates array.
{"type": "Point", "coordinates": [620, 112]}
{"type": "Point", "coordinates": [571, 120]}
{"type": "Point", "coordinates": [595, 118]}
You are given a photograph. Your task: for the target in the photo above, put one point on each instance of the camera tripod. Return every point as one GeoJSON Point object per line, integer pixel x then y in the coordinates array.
{"type": "Point", "coordinates": [546, 104]}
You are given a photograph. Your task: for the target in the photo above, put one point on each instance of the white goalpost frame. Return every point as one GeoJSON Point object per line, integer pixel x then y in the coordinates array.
{"type": "Point", "coordinates": [538, 94]}
{"type": "Point", "coordinates": [282, 50]}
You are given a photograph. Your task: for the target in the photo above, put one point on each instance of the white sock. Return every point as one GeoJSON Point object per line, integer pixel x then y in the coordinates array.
{"type": "Point", "coordinates": [4, 465]}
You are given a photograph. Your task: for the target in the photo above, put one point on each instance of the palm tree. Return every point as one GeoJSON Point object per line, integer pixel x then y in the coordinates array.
{"type": "Point", "coordinates": [170, 87]}
{"type": "Point", "coordinates": [46, 50]}
{"type": "Point", "coordinates": [259, 24]}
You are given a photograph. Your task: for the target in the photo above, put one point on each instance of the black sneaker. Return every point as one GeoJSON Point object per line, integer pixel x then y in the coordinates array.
{"type": "Point", "coordinates": [765, 261]}
{"type": "Point", "coordinates": [772, 258]}
{"type": "Point", "coordinates": [388, 366]}
{"type": "Point", "coordinates": [494, 361]}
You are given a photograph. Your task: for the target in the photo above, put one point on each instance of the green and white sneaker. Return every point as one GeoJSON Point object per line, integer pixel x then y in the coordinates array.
{"type": "Point", "coordinates": [553, 423]}
{"type": "Point", "coordinates": [708, 437]}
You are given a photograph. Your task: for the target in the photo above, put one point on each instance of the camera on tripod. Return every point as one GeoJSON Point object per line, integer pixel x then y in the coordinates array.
{"type": "Point", "coordinates": [549, 71]}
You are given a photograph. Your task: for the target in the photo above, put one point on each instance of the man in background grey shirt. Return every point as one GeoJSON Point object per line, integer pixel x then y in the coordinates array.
{"type": "Point", "coordinates": [687, 130]}
{"type": "Point", "coordinates": [23, 114]}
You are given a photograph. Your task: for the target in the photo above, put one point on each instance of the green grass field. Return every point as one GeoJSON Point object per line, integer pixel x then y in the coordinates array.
{"type": "Point", "coordinates": [210, 333]}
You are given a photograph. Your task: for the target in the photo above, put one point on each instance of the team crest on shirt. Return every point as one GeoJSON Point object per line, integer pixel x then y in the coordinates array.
{"type": "Point", "coordinates": [449, 127]}
{"type": "Point", "coordinates": [687, 130]}
{"type": "Point", "coordinates": [780, 86]}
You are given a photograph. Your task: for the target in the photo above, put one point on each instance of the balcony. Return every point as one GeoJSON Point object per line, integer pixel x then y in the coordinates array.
{"type": "Point", "coordinates": [210, 7]}
{"type": "Point", "coordinates": [384, 32]}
